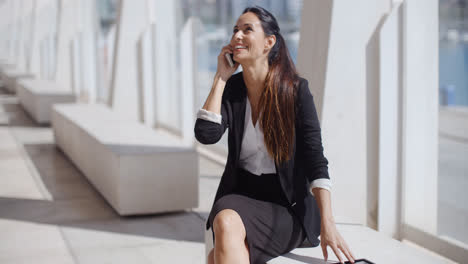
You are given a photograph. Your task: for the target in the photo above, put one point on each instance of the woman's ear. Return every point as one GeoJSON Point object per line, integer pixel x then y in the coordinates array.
{"type": "Point", "coordinates": [270, 42]}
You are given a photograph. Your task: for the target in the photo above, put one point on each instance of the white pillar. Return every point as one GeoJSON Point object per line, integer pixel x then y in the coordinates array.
{"type": "Point", "coordinates": [388, 98]}
{"type": "Point", "coordinates": [168, 75]}
{"type": "Point", "coordinates": [25, 34]}
{"type": "Point", "coordinates": [125, 96]}
{"type": "Point", "coordinates": [420, 113]}
{"type": "Point", "coordinates": [45, 26]}
{"type": "Point", "coordinates": [189, 81]}
{"type": "Point", "coordinates": [146, 76]}
{"type": "Point", "coordinates": [4, 30]}
{"type": "Point", "coordinates": [16, 30]}
{"type": "Point", "coordinates": [335, 55]}
{"type": "Point", "coordinates": [86, 47]}
{"type": "Point", "coordinates": [67, 31]}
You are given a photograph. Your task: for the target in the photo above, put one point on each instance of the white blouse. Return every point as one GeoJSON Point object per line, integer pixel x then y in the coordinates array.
{"type": "Point", "coordinates": [254, 156]}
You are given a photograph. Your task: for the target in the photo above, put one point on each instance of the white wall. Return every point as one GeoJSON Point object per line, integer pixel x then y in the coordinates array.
{"type": "Point", "coordinates": [333, 55]}
{"type": "Point", "coordinates": [420, 113]}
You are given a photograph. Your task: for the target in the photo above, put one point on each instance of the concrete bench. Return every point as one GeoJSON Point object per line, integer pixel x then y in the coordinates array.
{"type": "Point", "coordinates": [363, 241]}
{"type": "Point", "coordinates": [137, 169]}
{"type": "Point", "coordinates": [10, 76]}
{"type": "Point", "coordinates": [37, 97]}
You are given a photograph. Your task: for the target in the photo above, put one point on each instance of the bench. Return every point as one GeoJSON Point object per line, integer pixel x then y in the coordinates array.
{"type": "Point", "coordinates": [363, 241]}
{"type": "Point", "coordinates": [37, 97]}
{"type": "Point", "coordinates": [137, 169]}
{"type": "Point", "coordinates": [10, 76]}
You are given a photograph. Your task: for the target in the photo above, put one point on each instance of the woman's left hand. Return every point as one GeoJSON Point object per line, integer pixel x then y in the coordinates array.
{"type": "Point", "coordinates": [330, 236]}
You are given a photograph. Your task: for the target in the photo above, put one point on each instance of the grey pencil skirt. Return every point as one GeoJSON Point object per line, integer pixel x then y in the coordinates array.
{"type": "Point", "coordinates": [271, 227]}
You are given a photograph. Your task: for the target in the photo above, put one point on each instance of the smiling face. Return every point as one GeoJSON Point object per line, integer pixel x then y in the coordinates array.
{"type": "Point", "coordinates": [248, 40]}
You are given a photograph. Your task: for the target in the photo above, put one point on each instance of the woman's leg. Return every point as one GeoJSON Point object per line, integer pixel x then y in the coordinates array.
{"type": "Point", "coordinates": [230, 244]}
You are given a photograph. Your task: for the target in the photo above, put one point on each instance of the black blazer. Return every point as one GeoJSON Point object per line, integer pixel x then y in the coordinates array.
{"type": "Point", "coordinates": [307, 163]}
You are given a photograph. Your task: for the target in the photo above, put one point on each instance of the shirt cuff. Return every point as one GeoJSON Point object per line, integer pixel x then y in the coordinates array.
{"type": "Point", "coordinates": [209, 116]}
{"type": "Point", "coordinates": [321, 183]}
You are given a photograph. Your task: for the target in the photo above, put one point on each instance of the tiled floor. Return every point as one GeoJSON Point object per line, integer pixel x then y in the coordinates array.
{"type": "Point", "coordinates": [50, 213]}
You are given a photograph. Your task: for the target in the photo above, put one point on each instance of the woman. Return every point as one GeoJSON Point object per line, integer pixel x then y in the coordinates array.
{"type": "Point", "coordinates": [264, 206]}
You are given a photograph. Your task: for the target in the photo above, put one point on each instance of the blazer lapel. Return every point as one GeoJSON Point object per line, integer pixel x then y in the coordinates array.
{"type": "Point", "coordinates": [239, 107]}
{"type": "Point", "coordinates": [285, 172]}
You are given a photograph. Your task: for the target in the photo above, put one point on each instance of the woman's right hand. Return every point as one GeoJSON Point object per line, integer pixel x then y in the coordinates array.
{"type": "Point", "coordinates": [225, 71]}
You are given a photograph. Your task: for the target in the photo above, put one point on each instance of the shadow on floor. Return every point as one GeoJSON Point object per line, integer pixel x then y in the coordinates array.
{"type": "Point", "coordinates": [4, 91]}
{"type": "Point", "coordinates": [75, 203]}
{"type": "Point", "coordinates": [13, 115]}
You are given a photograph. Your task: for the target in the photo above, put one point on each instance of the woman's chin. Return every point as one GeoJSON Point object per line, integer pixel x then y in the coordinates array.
{"type": "Point", "coordinates": [239, 60]}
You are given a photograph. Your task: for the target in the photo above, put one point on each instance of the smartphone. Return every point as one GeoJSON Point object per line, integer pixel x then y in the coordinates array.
{"type": "Point", "coordinates": [230, 59]}
{"type": "Point", "coordinates": [358, 261]}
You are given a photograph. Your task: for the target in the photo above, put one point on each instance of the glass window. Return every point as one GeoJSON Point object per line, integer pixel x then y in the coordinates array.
{"type": "Point", "coordinates": [107, 14]}
{"type": "Point", "coordinates": [453, 119]}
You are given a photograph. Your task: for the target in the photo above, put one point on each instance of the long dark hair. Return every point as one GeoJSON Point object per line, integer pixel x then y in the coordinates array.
{"type": "Point", "coordinates": [277, 100]}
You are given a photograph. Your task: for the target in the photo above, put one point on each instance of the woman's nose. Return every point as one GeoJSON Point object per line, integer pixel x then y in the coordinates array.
{"type": "Point", "coordinates": [237, 35]}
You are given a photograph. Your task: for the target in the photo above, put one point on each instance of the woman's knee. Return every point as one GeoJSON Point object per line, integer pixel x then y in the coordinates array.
{"type": "Point", "coordinates": [229, 222]}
